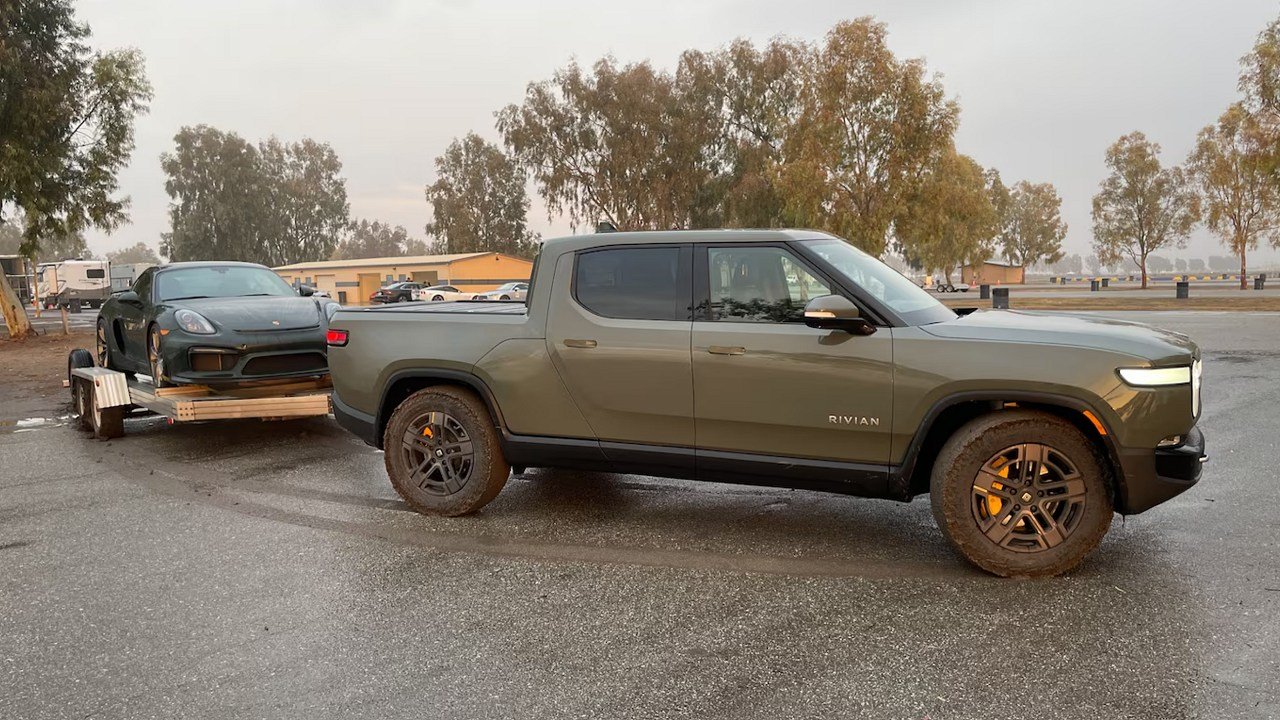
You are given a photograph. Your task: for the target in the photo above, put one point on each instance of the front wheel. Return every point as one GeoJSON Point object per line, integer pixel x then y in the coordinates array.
{"type": "Point", "coordinates": [155, 358]}
{"type": "Point", "coordinates": [1021, 494]}
{"type": "Point", "coordinates": [442, 452]}
{"type": "Point", "coordinates": [437, 298]}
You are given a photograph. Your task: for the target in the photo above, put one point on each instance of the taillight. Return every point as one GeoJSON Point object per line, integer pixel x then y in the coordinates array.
{"type": "Point", "coordinates": [335, 338]}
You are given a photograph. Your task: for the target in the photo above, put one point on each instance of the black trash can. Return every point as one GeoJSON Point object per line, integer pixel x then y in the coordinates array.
{"type": "Point", "coordinates": [1259, 282]}
{"type": "Point", "coordinates": [1000, 298]}
{"type": "Point", "coordinates": [1184, 289]}
{"type": "Point", "coordinates": [1094, 285]}
{"type": "Point", "coordinates": [984, 292]}
{"type": "Point", "coordinates": [1106, 282]}
{"type": "Point", "coordinates": [73, 305]}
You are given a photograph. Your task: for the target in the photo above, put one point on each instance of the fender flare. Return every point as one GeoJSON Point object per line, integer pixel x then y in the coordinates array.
{"type": "Point", "coordinates": [448, 376]}
{"type": "Point", "coordinates": [901, 483]}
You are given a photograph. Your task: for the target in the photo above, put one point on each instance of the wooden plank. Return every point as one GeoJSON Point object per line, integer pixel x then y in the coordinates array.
{"type": "Point", "coordinates": [313, 405]}
{"type": "Point", "coordinates": [241, 415]}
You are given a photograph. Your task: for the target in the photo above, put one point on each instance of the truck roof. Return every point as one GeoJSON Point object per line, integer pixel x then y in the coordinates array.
{"type": "Point", "coordinates": [646, 237]}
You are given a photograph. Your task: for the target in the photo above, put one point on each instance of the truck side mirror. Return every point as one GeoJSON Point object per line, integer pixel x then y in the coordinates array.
{"type": "Point", "coordinates": [836, 312]}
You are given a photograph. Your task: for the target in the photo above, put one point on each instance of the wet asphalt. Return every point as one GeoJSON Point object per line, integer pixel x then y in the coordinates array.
{"type": "Point", "coordinates": [243, 569]}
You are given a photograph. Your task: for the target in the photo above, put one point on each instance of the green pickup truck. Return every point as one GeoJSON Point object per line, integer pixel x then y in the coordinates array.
{"type": "Point", "coordinates": [785, 358]}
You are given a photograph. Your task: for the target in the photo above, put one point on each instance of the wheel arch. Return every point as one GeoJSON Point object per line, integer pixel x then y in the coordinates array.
{"type": "Point", "coordinates": [404, 383]}
{"type": "Point", "coordinates": [953, 411]}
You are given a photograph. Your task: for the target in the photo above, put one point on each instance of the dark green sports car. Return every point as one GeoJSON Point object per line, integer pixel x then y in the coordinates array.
{"type": "Point", "coordinates": [213, 323]}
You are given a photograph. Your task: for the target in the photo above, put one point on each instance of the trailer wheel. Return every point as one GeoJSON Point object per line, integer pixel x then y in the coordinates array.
{"type": "Point", "coordinates": [442, 452]}
{"type": "Point", "coordinates": [79, 358]}
{"type": "Point", "coordinates": [106, 423]}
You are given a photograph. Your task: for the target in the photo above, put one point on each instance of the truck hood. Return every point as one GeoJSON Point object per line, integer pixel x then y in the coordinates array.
{"type": "Point", "coordinates": [257, 314]}
{"type": "Point", "coordinates": [1161, 347]}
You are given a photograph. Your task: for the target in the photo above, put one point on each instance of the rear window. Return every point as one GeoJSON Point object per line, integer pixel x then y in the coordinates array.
{"type": "Point", "coordinates": [95, 273]}
{"type": "Point", "coordinates": [633, 283]}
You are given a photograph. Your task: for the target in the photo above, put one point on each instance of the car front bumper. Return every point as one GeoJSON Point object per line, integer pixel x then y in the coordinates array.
{"type": "Point", "coordinates": [1153, 476]}
{"type": "Point", "coordinates": [244, 356]}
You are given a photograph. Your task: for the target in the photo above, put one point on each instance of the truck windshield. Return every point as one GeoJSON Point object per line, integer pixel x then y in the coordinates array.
{"type": "Point", "coordinates": [909, 301]}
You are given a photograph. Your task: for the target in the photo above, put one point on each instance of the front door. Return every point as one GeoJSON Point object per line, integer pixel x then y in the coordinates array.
{"type": "Point", "coordinates": [767, 385]}
{"type": "Point", "coordinates": [619, 336]}
{"type": "Point", "coordinates": [131, 325]}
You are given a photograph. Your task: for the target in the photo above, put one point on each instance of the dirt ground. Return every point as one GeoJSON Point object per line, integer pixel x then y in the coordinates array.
{"type": "Point", "coordinates": [32, 371]}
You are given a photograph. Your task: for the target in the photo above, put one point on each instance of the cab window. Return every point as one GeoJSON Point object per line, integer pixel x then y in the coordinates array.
{"type": "Point", "coordinates": [759, 284]}
{"type": "Point", "coordinates": [634, 283]}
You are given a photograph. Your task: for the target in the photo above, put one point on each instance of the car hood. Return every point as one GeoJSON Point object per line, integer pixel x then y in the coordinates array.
{"type": "Point", "coordinates": [1161, 347]}
{"type": "Point", "coordinates": [258, 314]}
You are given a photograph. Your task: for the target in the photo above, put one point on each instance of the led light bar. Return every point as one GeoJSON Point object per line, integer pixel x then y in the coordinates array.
{"type": "Point", "coordinates": [1156, 377]}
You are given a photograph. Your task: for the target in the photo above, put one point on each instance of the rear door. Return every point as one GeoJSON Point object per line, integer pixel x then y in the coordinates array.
{"type": "Point", "coordinates": [619, 333]}
{"type": "Point", "coordinates": [767, 385]}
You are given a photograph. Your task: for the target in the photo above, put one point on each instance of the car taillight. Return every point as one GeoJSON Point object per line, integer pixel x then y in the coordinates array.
{"type": "Point", "coordinates": [335, 338]}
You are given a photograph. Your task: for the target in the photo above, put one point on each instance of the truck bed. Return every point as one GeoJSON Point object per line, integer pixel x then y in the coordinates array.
{"type": "Point", "coordinates": [488, 307]}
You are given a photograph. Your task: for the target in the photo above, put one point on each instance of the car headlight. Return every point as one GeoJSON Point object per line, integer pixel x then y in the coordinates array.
{"type": "Point", "coordinates": [193, 322]}
{"type": "Point", "coordinates": [1156, 377]}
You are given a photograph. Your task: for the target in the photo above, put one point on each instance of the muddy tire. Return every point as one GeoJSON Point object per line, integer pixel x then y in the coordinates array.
{"type": "Point", "coordinates": [107, 423]}
{"type": "Point", "coordinates": [442, 452]}
{"type": "Point", "coordinates": [1021, 493]}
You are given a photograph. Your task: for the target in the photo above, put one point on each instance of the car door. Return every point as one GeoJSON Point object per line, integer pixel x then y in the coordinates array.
{"type": "Point", "coordinates": [767, 387]}
{"type": "Point", "coordinates": [133, 315]}
{"type": "Point", "coordinates": [618, 333]}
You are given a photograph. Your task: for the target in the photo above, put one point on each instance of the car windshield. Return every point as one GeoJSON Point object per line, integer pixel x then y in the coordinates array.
{"type": "Point", "coordinates": [908, 300]}
{"type": "Point", "coordinates": [212, 281]}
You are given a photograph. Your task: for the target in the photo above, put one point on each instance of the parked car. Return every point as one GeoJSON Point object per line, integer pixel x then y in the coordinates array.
{"type": "Point", "coordinates": [395, 292]}
{"type": "Point", "coordinates": [508, 291]}
{"type": "Point", "coordinates": [689, 354]}
{"type": "Point", "coordinates": [213, 323]}
{"type": "Point", "coordinates": [438, 293]}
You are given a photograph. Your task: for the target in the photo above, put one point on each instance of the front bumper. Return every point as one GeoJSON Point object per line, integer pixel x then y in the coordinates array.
{"type": "Point", "coordinates": [247, 355]}
{"type": "Point", "coordinates": [1151, 477]}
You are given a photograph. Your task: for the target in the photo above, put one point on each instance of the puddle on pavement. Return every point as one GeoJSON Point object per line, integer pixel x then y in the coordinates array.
{"type": "Point", "coordinates": [30, 424]}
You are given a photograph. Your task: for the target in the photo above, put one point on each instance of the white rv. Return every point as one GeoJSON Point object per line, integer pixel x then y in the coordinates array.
{"type": "Point", "coordinates": [86, 280]}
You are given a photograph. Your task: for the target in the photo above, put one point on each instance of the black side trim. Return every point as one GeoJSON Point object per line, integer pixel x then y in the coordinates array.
{"type": "Point", "coordinates": [900, 483]}
{"type": "Point", "coordinates": [360, 424]}
{"type": "Point", "coordinates": [867, 480]}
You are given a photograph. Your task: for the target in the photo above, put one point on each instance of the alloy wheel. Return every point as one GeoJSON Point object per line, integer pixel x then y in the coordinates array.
{"type": "Point", "coordinates": [439, 452]}
{"type": "Point", "coordinates": [101, 345]}
{"type": "Point", "coordinates": [1028, 498]}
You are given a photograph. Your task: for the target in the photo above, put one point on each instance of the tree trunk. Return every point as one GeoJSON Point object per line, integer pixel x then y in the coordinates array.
{"type": "Point", "coordinates": [1244, 280]}
{"type": "Point", "coordinates": [1144, 272]}
{"type": "Point", "coordinates": [15, 316]}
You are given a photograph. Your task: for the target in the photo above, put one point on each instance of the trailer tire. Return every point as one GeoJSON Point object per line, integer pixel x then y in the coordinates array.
{"type": "Point", "coordinates": [459, 467]}
{"type": "Point", "coordinates": [79, 358]}
{"type": "Point", "coordinates": [106, 423]}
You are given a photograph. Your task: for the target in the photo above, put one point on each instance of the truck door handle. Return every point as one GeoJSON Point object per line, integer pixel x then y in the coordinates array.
{"type": "Point", "coordinates": [579, 343]}
{"type": "Point", "coordinates": [726, 350]}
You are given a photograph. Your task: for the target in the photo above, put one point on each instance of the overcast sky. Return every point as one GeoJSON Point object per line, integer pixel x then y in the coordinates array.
{"type": "Point", "coordinates": [1044, 87]}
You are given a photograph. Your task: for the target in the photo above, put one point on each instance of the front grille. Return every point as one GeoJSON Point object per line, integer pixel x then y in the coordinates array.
{"type": "Point", "coordinates": [289, 363]}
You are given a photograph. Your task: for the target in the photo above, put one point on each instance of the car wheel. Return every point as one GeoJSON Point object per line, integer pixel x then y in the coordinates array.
{"type": "Point", "coordinates": [442, 452]}
{"type": "Point", "coordinates": [437, 298]}
{"type": "Point", "coordinates": [102, 347]}
{"type": "Point", "coordinates": [1021, 494]}
{"type": "Point", "coordinates": [155, 358]}
{"type": "Point", "coordinates": [402, 298]}
{"type": "Point", "coordinates": [505, 297]}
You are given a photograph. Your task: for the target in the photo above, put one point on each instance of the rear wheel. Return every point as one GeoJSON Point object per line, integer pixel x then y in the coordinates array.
{"type": "Point", "coordinates": [155, 358]}
{"type": "Point", "coordinates": [442, 452]}
{"type": "Point", "coordinates": [1021, 494]}
{"type": "Point", "coordinates": [505, 297]}
{"type": "Point", "coordinates": [437, 298]}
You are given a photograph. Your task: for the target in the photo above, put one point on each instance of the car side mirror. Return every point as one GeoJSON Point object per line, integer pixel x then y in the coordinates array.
{"type": "Point", "coordinates": [128, 297]}
{"type": "Point", "coordinates": [836, 312]}
{"type": "Point", "coordinates": [306, 290]}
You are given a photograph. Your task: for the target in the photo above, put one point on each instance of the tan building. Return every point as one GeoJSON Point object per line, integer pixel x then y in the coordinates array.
{"type": "Point", "coordinates": [992, 272]}
{"type": "Point", "coordinates": [351, 282]}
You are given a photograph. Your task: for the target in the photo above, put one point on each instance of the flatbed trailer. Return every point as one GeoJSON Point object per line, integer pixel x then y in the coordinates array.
{"type": "Point", "coordinates": [103, 397]}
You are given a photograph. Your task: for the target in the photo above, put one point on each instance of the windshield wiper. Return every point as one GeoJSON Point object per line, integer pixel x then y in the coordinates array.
{"type": "Point", "coordinates": [187, 297]}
